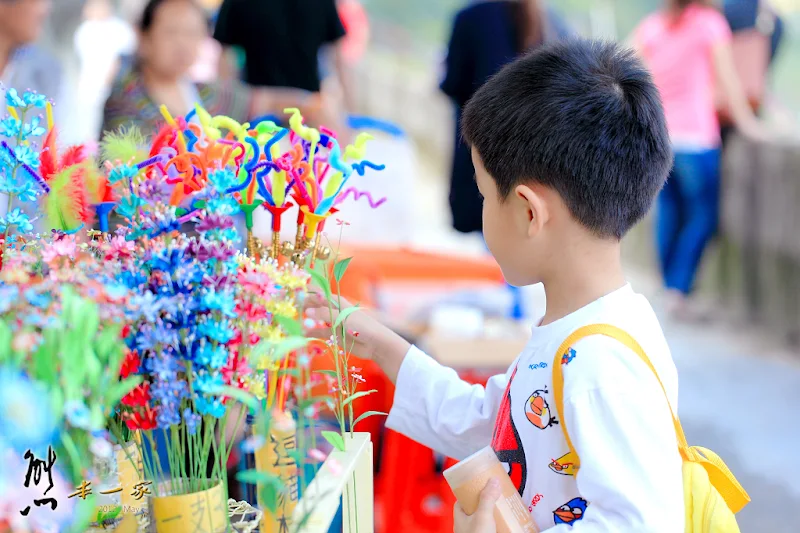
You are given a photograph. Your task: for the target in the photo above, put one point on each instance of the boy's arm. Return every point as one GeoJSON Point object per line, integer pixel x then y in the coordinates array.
{"type": "Point", "coordinates": [622, 431]}
{"type": "Point", "coordinates": [433, 406]}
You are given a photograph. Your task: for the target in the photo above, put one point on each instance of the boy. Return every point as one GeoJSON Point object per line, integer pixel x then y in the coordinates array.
{"type": "Point", "coordinates": [570, 147]}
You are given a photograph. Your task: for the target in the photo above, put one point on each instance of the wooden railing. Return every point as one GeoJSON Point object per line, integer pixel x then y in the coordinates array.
{"type": "Point", "coordinates": [345, 477]}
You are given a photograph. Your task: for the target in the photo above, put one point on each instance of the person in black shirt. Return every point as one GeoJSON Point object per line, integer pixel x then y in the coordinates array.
{"type": "Point", "coordinates": [281, 40]}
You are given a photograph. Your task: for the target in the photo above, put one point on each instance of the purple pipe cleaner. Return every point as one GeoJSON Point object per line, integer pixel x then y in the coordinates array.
{"type": "Point", "coordinates": [43, 184]}
{"type": "Point", "coordinates": [149, 162]}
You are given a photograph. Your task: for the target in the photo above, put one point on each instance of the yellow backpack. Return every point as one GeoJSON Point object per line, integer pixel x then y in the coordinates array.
{"type": "Point", "coordinates": [711, 493]}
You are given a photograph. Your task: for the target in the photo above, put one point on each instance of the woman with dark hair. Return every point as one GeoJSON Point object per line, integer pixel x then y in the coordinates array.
{"type": "Point", "coordinates": [486, 36]}
{"type": "Point", "coordinates": [170, 35]}
{"type": "Point", "coordinates": [687, 46]}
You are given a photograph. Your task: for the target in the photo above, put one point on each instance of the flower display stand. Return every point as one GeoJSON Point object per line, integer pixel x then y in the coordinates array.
{"type": "Point", "coordinates": [344, 477]}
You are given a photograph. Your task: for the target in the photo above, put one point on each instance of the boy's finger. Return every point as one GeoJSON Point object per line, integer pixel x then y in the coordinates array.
{"type": "Point", "coordinates": [322, 314]}
{"type": "Point", "coordinates": [458, 513]}
{"type": "Point", "coordinates": [489, 496]}
{"type": "Point", "coordinates": [315, 300]}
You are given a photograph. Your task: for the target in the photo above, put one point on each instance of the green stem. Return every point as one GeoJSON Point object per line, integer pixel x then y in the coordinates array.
{"type": "Point", "coordinates": [156, 470]}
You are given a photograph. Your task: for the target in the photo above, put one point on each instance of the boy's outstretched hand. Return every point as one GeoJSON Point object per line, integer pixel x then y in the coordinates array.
{"type": "Point", "coordinates": [482, 520]}
{"type": "Point", "coordinates": [367, 337]}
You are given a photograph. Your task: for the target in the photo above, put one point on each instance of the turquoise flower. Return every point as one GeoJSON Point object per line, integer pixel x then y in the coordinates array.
{"type": "Point", "coordinates": [26, 419]}
{"type": "Point", "coordinates": [18, 219]}
{"type": "Point", "coordinates": [211, 406]}
{"type": "Point", "coordinates": [220, 331]}
{"type": "Point", "coordinates": [212, 356]}
{"type": "Point", "coordinates": [10, 127]}
{"type": "Point", "coordinates": [33, 129]}
{"type": "Point", "coordinates": [34, 99]}
{"type": "Point", "coordinates": [27, 156]}
{"type": "Point", "coordinates": [37, 299]}
{"type": "Point", "coordinates": [13, 99]}
{"type": "Point", "coordinates": [77, 414]}
{"type": "Point", "coordinates": [209, 383]}
{"type": "Point", "coordinates": [224, 303]}
{"type": "Point", "coordinates": [27, 192]}
{"type": "Point", "coordinates": [9, 294]}
{"type": "Point", "coordinates": [223, 179]}
{"type": "Point", "coordinates": [122, 172]}
{"type": "Point", "coordinates": [128, 206]}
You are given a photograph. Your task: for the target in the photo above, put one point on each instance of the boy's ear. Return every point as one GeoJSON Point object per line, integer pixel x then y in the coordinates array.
{"type": "Point", "coordinates": [535, 206]}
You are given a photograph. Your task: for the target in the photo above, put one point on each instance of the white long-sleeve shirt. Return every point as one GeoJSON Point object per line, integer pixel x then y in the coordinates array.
{"type": "Point", "coordinates": [618, 419]}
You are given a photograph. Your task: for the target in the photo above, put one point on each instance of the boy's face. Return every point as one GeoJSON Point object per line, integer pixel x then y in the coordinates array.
{"type": "Point", "coordinates": [513, 227]}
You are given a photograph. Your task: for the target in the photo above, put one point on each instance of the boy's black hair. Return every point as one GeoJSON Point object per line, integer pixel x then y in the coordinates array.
{"type": "Point", "coordinates": [582, 117]}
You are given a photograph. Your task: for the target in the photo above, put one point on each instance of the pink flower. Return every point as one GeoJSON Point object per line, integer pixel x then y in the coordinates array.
{"type": "Point", "coordinates": [25, 342]}
{"type": "Point", "coordinates": [119, 248]}
{"type": "Point", "coordinates": [335, 467]}
{"type": "Point", "coordinates": [61, 248]}
{"type": "Point", "coordinates": [358, 378]}
{"type": "Point", "coordinates": [317, 455]}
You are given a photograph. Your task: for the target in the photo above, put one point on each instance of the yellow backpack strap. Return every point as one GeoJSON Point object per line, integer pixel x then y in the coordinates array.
{"type": "Point", "coordinates": [719, 474]}
{"type": "Point", "coordinates": [623, 337]}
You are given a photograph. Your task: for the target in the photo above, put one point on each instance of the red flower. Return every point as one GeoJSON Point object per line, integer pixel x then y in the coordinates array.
{"type": "Point", "coordinates": [130, 365]}
{"type": "Point", "coordinates": [236, 366]}
{"type": "Point", "coordinates": [138, 397]}
{"type": "Point", "coordinates": [125, 332]}
{"type": "Point", "coordinates": [144, 420]}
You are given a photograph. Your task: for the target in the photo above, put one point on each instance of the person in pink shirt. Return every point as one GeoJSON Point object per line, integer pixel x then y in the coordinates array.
{"type": "Point", "coordinates": [687, 46]}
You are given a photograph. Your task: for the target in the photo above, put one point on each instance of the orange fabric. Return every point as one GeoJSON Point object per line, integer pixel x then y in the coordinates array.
{"type": "Point", "coordinates": [405, 264]}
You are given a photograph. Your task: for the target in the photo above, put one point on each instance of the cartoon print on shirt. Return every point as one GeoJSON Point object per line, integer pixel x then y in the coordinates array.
{"type": "Point", "coordinates": [538, 410]}
{"type": "Point", "coordinates": [535, 502]}
{"type": "Point", "coordinates": [568, 356]}
{"type": "Point", "coordinates": [566, 465]}
{"type": "Point", "coordinates": [570, 512]}
{"type": "Point", "coordinates": [507, 444]}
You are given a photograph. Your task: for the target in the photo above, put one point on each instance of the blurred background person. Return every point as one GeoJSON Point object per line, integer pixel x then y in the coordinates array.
{"type": "Point", "coordinates": [757, 34]}
{"type": "Point", "coordinates": [687, 45]}
{"type": "Point", "coordinates": [755, 14]}
{"type": "Point", "coordinates": [170, 35]}
{"type": "Point", "coordinates": [23, 65]}
{"type": "Point", "coordinates": [100, 41]}
{"type": "Point", "coordinates": [486, 36]}
{"type": "Point", "coordinates": [281, 42]}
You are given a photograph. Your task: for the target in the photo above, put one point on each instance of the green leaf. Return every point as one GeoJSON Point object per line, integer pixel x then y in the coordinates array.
{"type": "Point", "coordinates": [334, 439]}
{"type": "Point", "coordinates": [367, 415]}
{"type": "Point", "coordinates": [331, 373]}
{"type": "Point", "coordinates": [357, 395]}
{"type": "Point", "coordinates": [307, 402]}
{"type": "Point", "coordinates": [6, 338]}
{"type": "Point", "coordinates": [340, 268]}
{"type": "Point", "coordinates": [293, 372]}
{"type": "Point", "coordinates": [255, 477]}
{"type": "Point", "coordinates": [323, 284]}
{"type": "Point", "coordinates": [344, 314]}
{"type": "Point", "coordinates": [242, 396]}
{"type": "Point", "coordinates": [278, 350]}
{"type": "Point", "coordinates": [269, 494]}
{"type": "Point", "coordinates": [292, 327]}
{"type": "Point", "coordinates": [110, 515]}
{"type": "Point", "coordinates": [297, 455]}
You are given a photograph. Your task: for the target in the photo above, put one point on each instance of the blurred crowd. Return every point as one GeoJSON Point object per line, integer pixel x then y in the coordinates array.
{"type": "Point", "coordinates": [250, 59]}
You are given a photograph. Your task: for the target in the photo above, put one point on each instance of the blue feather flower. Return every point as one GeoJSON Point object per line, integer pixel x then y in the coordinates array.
{"type": "Point", "coordinates": [19, 397]}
